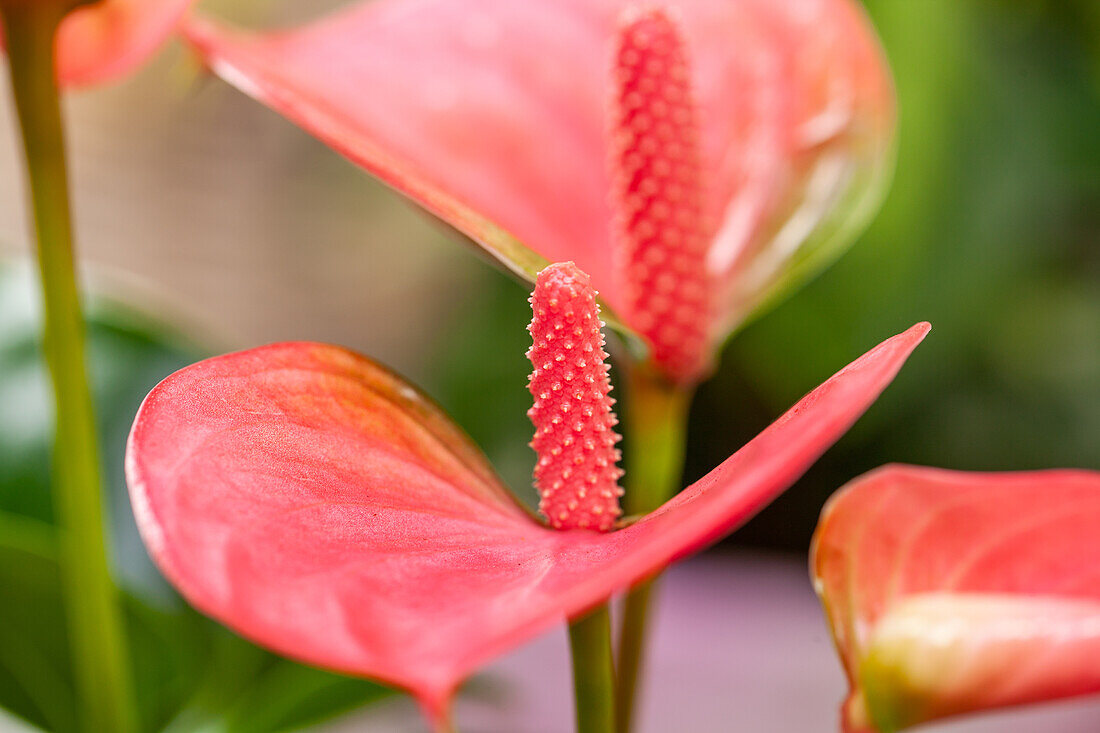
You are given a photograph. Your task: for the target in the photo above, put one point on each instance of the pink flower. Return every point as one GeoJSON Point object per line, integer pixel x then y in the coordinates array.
{"type": "Point", "coordinates": [104, 40]}
{"type": "Point", "coordinates": [952, 592]}
{"type": "Point", "coordinates": [698, 161]}
{"type": "Point", "coordinates": [319, 505]}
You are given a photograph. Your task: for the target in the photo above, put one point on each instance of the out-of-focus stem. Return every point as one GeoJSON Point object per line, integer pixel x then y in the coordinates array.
{"type": "Point", "coordinates": [593, 671]}
{"type": "Point", "coordinates": [91, 601]}
{"type": "Point", "coordinates": [657, 412]}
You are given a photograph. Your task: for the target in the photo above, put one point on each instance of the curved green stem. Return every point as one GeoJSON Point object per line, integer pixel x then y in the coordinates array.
{"type": "Point", "coordinates": [657, 412]}
{"type": "Point", "coordinates": [593, 671]}
{"type": "Point", "coordinates": [92, 608]}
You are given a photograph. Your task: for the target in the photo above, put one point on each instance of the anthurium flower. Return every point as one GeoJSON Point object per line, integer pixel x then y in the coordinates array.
{"type": "Point", "coordinates": [101, 41]}
{"type": "Point", "coordinates": [697, 159]}
{"type": "Point", "coordinates": [319, 505]}
{"type": "Point", "coordinates": [952, 592]}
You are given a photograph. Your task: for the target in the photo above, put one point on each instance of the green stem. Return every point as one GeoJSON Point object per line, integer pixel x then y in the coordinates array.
{"type": "Point", "coordinates": [657, 412]}
{"type": "Point", "coordinates": [632, 635]}
{"type": "Point", "coordinates": [445, 725]}
{"type": "Point", "coordinates": [92, 605]}
{"type": "Point", "coordinates": [593, 671]}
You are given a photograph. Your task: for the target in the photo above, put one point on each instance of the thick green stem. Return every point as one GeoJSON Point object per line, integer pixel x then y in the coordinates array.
{"type": "Point", "coordinates": [657, 413]}
{"type": "Point", "coordinates": [92, 606]}
{"type": "Point", "coordinates": [593, 671]}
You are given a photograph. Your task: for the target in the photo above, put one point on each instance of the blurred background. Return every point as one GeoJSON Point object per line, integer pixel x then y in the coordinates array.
{"type": "Point", "coordinates": [207, 223]}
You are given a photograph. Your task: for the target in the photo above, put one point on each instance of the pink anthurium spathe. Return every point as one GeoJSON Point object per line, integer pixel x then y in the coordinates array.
{"type": "Point", "coordinates": [101, 41]}
{"type": "Point", "coordinates": [696, 157]}
{"type": "Point", "coordinates": [951, 592]}
{"type": "Point", "coordinates": [319, 505]}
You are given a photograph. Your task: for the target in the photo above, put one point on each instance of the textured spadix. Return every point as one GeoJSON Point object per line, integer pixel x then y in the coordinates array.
{"type": "Point", "coordinates": [576, 473]}
{"type": "Point", "coordinates": [320, 506]}
{"type": "Point", "coordinates": [105, 40]}
{"type": "Point", "coordinates": [661, 243]}
{"type": "Point", "coordinates": [501, 118]}
{"type": "Point", "coordinates": [953, 592]}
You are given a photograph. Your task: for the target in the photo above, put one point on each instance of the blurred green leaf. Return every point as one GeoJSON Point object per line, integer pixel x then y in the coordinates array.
{"type": "Point", "coordinates": [35, 682]}
{"type": "Point", "coordinates": [478, 374]}
{"type": "Point", "coordinates": [290, 697]}
{"type": "Point", "coordinates": [128, 355]}
{"type": "Point", "coordinates": [35, 672]}
{"type": "Point", "coordinates": [247, 690]}
{"type": "Point", "coordinates": [181, 661]}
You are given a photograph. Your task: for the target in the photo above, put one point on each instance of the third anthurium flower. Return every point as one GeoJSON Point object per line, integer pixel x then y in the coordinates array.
{"type": "Point", "coordinates": [697, 157]}
{"type": "Point", "coordinates": [952, 592]}
{"type": "Point", "coordinates": [319, 505]}
{"type": "Point", "coordinates": [99, 41]}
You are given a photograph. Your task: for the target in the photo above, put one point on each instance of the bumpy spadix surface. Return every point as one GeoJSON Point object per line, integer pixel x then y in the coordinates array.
{"type": "Point", "coordinates": [320, 506]}
{"type": "Point", "coordinates": [502, 117]}
{"type": "Point", "coordinates": [105, 40]}
{"type": "Point", "coordinates": [662, 236]}
{"type": "Point", "coordinates": [953, 592]}
{"type": "Point", "coordinates": [576, 475]}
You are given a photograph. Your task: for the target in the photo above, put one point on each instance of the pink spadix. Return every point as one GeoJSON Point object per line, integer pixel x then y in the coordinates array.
{"type": "Point", "coordinates": [661, 237]}
{"type": "Point", "coordinates": [576, 474]}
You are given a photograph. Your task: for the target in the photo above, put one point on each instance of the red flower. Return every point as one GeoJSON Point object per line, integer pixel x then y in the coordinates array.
{"type": "Point", "coordinates": [953, 592]}
{"type": "Point", "coordinates": [697, 162]}
{"type": "Point", "coordinates": [319, 505]}
{"type": "Point", "coordinates": [105, 40]}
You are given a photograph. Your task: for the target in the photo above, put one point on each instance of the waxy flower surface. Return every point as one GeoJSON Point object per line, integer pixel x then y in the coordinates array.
{"type": "Point", "coordinates": [952, 592]}
{"type": "Point", "coordinates": [696, 158]}
{"type": "Point", "coordinates": [319, 505]}
{"type": "Point", "coordinates": [102, 41]}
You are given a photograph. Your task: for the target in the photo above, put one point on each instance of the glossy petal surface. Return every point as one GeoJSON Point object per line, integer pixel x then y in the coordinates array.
{"type": "Point", "coordinates": [318, 505]}
{"type": "Point", "coordinates": [493, 115]}
{"type": "Point", "coordinates": [953, 592]}
{"type": "Point", "coordinates": [103, 41]}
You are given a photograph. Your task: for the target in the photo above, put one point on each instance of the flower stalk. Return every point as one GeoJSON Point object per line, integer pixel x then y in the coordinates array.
{"type": "Point", "coordinates": [593, 671]}
{"type": "Point", "coordinates": [657, 411]}
{"type": "Point", "coordinates": [577, 471]}
{"type": "Point", "coordinates": [92, 607]}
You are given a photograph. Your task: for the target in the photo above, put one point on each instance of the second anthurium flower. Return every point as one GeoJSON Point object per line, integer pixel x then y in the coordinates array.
{"type": "Point", "coordinates": [697, 157]}
{"type": "Point", "coordinates": [319, 505]}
